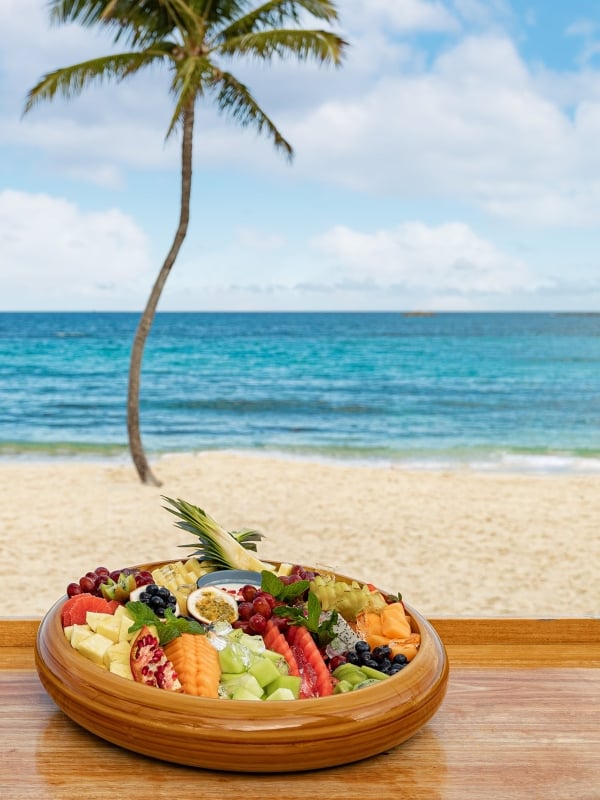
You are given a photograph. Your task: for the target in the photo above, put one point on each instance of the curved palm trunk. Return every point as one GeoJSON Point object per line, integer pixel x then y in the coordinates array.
{"type": "Point", "coordinates": [137, 351]}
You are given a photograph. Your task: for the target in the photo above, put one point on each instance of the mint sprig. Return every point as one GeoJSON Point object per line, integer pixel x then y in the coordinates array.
{"type": "Point", "coordinates": [279, 590]}
{"type": "Point", "coordinates": [309, 616]}
{"type": "Point", "coordinates": [168, 629]}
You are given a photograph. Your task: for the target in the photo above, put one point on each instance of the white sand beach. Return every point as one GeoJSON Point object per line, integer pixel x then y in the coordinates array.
{"type": "Point", "coordinates": [455, 543]}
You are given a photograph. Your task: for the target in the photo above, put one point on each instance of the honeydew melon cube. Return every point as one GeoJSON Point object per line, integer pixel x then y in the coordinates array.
{"type": "Point", "coordinates": [245, 680]}
{"type": "Point", "coordinates": [231, 660]}
{"type": "Point", "coordinates": [255, 644]}
{"type": "Point", "coordinates": [244, 694]}
{"type": "Point", "coordinates": [94, 647]}
{"type": "Point", "coordinates": [277, 659]}
{"type": "Point", "coordinates": [79, 633]}
{"type": "Point", "coordinates": [290, 682]}
{"type": "Point", "coordinates": [265, 671]}
{"type": "Point", "coordinates": [68, 631]}
{"type": "Point", "coordinates": [123, 670]}
{"type": "Point", "coordinates": [281, 694]}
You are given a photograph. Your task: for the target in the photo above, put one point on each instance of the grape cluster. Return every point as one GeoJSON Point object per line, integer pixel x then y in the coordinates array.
{"type": "Point", "coordinates": [254, 609]}
{"type": "Point", "coordinates": [91, 582]}
{"type": "Point", "coordinates": [380, 658]}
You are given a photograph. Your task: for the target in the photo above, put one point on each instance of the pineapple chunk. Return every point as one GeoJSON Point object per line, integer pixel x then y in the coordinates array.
{"type": "Point", "coordinates": [93, 618]}
{"type": "Point", "coordinates": [120, 651]}
{"type": "Point", "coordinates": [120, 611]}
{"type": "Point", "coordinates": [124, 670]}
{"type": "Point", "coordinates": [68, 632]}
{"type": "Point", "coordinates": [94, 647]}
{"type": "Point", "coordinates": [79, 633]}
{"type": "Point", "coordinates": [125, 623]}
{"type": "Point", "coordinates": [110, 627]}
{"type": "Point", "coordinates": [194, 567]}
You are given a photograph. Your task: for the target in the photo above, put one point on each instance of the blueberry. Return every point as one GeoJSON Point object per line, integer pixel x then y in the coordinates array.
{"type": "Point", "coordinates": [352, 658]}
{"type": "Point", "coordinates": [400, 659]}
{"type": "Point", "coordinates": [156, 603]}
{"type": "Point", "coordinates": [152, 589]}
{"type": "Point", "coordinates": [381, 652]}
{"type": "Point", "coordinates": [164, 593]}
{"type": "Point", "coordinates": [362, 647]}
{"type": "Point", "coordinates": [385, 664]}
{"type": "Point", "coordinates": [370, 662]}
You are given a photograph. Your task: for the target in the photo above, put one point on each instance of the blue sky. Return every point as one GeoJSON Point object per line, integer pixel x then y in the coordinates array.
{"type": "Point", "coordinates": [452, 163]}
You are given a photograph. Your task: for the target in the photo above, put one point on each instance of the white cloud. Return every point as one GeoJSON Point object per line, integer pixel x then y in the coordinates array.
{"type": "Point", "coordinates": [55, 255]}
{"type": "Point", "coordinates": [406, 16]}
{"type": "Point", "coordinates": [448, 257]}
{"type": "Point", "coordinates": [474, 127]}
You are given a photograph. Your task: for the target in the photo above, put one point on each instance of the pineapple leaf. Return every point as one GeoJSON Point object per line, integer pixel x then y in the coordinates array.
{"type": "Point", "coordinates": [223, 549]}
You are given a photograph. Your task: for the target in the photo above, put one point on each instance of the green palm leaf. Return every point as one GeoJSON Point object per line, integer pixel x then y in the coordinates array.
{"type": "Point", "coordinates": [190, 36]}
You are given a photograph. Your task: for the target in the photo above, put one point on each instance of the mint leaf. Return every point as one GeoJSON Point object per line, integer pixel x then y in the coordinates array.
{"type": "Point", "coordinates": [313, 611]}
{"type": "Point", "coordinates": [271, 583]}
{"type": "Point", "coordinates": [285, 592]}
{"type": "Point", "coordinates": [310, 617]}
{"type": "Point", "coordinates": [142, 615]}
{"type": "Point", "coordinates": [167, 630]}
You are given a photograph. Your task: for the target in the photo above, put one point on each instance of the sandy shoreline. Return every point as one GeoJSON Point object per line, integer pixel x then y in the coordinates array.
{"type": "Point", "coordinates": [453, 542]}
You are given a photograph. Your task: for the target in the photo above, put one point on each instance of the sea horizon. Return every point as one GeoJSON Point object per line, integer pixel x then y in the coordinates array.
{"type": "Point", "coordinates": [490, 391]}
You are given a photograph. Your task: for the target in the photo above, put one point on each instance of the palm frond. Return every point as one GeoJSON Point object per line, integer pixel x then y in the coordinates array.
{"type": "Point", "coordinates": [323, 46]}
{"type": "Point", "coordinates": [276, 13]}
{"type": "Point", "coordinates": [192, 74]}
{"type": "Point", "coordinates": [235, 99]}
{"type": "Point", "coordinates": [71, 81]}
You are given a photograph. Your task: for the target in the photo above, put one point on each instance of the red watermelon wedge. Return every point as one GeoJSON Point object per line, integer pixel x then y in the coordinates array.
{"type": "Point", "coordinates": [75, 608]}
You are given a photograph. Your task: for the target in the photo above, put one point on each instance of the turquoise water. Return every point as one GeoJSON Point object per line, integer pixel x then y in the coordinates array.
{"type": "Point", "coordinates": [507, 391]}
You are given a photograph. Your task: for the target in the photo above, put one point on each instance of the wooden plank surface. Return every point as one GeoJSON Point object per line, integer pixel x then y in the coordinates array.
{"type": "Point", "coordinates": [523, 722]}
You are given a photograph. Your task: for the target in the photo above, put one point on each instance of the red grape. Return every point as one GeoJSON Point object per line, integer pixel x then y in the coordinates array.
{"type": "Point", "coordinates": [73, 589]}
{"type": "Point", "coordinates": [335, 662]}
{"type": "Point", "coordinates": [87, 584]}
{"type": "Point", "coordinates": [102, 571]}
{"type": "Point", "coordinates": [257, 623]}
{"type": "Point", "coordinates": [261, 606]}
{"type": "Point", "coordinates": [245, 610]}
{"type": "Point", "coordinates": [249, 592]}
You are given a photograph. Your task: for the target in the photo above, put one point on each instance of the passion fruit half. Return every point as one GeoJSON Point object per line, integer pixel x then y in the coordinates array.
{"type": "Point", "coordinates": [211, 604]}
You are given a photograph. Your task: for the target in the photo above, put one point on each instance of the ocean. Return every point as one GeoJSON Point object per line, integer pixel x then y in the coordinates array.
{"type": "Point", "coordinates": [499, 391]}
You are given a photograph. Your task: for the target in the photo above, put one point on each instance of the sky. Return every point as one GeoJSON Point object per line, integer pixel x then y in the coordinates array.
{"type": "Point", "coordinates": [451, 164]}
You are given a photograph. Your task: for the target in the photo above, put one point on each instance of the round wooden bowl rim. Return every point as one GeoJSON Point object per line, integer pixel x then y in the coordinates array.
{"type": "Point", "coordinates": [79, 686]}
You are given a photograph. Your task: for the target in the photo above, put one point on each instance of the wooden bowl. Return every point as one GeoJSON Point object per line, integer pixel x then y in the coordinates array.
{"type": "Point", "coordinates": [239, 736]}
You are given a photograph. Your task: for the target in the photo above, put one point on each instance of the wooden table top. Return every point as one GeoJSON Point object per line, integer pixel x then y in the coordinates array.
{"type": "Point", "coordinates": [521, 719]}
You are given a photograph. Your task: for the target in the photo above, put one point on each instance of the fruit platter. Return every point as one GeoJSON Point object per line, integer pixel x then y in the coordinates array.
{"type": "Point", "coordinates": [224, 661]}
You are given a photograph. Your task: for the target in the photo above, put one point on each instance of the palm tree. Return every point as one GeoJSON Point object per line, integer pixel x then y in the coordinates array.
{"type": "Point", "coordinates": [196, 39]}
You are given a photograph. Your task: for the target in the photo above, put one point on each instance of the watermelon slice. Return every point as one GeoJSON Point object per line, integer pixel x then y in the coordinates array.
{"type": "Point", "coordinates": [75, 608]}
